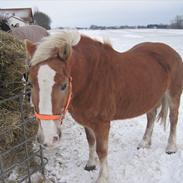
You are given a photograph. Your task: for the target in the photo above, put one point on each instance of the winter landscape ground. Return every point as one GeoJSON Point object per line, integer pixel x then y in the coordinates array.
{"type": "Point", "coordinates": [126, 163]}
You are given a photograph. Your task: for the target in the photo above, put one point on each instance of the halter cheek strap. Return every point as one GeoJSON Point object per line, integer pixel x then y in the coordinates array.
{"type": "Point", "coordinates": [62, 115]}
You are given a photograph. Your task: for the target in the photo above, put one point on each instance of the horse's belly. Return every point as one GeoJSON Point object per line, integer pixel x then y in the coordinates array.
{"type": "Point", "coordinates": [134, 109]}
{"type": "Point", "coordinates": [141, 98]}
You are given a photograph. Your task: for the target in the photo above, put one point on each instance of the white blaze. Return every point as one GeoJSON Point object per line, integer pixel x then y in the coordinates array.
{"type": "Point", "coordinates": [46, 81]}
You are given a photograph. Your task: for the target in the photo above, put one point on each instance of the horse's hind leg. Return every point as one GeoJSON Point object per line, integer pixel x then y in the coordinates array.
{"type": "Point", "coordinates": [91, 164]}
{"type": "Point", "coordinates": [174, 107]}
{"type": "Point", "coordinates": [146, 141]}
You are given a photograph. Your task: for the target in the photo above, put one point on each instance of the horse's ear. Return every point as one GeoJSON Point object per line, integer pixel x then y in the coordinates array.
{"type": "Point", "coordinates": [30, 48]}
{"type": "Point", "coordinates": [65, 51]}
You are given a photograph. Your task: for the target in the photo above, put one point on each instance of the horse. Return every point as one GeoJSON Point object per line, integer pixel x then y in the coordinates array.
{"type": "Point", "coordinates": [98, 84]}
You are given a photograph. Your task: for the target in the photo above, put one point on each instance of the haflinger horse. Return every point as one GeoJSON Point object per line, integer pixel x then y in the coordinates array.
{"type": "Point", "coordinates": [105, 85]}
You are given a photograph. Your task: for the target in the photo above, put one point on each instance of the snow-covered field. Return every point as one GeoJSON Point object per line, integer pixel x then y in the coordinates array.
{"type": "Point", "coordinates": [126, 163]}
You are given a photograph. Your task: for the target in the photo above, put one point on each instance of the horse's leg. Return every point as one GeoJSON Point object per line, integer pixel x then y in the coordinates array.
{"type": "Point", "coordinates": [146, 141]}
{"type": "Point", "coordinates": [174, 107]}
{"type": "Point", "coordinates": [101, 131]}
{"type": "Point", "coordinates": [91, 164]}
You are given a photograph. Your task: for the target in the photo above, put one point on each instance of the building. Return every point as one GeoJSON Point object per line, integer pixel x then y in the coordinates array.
{"type": "Point", "coordinates": [17, 17]}
{"type": "Point", "coordinates": [14, 21]}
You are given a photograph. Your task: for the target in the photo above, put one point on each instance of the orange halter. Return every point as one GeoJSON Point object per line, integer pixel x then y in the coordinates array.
{"type": "Point", "coordinates": [62, 115]}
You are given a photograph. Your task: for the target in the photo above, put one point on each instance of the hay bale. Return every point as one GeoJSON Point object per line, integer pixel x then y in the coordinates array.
{"type": "Point", "coordinates": [32, 32]}
{"type": "Point", "coordinates": [12, 67]}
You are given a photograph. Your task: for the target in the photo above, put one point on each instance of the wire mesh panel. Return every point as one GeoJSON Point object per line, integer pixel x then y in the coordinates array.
{"type": "Point", "coordinates": [17, 153]}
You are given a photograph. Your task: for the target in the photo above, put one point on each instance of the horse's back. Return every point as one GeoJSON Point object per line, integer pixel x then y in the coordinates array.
{"type": "Point", "coordinates": [160, 51]}
{"type": "Point", "coordinates": [167, 57]}
{"type": "Point", "coordinates": [148, 70]}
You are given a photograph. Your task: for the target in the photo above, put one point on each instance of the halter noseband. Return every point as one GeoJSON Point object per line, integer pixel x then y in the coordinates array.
{"type": "Point", "coordinates": [62, 115]}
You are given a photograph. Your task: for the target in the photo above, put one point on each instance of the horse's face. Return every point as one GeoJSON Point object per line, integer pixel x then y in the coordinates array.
{"type": "Point", "coordinates": [51, 89]}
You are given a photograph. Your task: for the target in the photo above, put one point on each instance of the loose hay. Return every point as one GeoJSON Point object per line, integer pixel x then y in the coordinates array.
{"type": "Point", "coordinates": [12, 67]}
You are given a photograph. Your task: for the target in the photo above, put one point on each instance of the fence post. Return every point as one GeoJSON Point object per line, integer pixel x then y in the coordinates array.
{"type": "Point", "coordinates": [24, 135]}
{"type": "Point", "coordinates": [1, 169]}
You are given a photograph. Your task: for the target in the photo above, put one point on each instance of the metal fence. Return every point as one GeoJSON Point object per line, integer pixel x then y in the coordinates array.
{"type": "Point", "coordinates": [27, 156]}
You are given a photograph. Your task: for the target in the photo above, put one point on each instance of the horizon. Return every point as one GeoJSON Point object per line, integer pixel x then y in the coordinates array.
{"type": "Point", "coordinates": [80, 13]}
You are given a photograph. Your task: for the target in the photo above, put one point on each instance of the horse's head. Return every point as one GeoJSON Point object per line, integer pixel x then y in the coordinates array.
{"type": "Point", "coordinates": [51, 83]}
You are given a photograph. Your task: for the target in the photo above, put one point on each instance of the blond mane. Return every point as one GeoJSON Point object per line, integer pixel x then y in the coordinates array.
{"type": "Point", "coordinates": [45, 49]}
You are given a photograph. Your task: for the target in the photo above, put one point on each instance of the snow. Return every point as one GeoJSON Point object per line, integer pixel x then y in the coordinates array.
{"type": "Point", "coordinates": [126, 163]}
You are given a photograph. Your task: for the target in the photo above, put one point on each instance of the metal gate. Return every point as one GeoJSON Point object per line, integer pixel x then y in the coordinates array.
{"type": "Point", "coordinates": [27, 155]}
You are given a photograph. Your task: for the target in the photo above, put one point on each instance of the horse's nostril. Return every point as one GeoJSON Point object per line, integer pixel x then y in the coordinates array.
{"type": "Point", "coordinates": [55, 139]}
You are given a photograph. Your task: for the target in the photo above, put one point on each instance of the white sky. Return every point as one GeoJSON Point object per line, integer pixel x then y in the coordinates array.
{"type": "Point", "coordinates": [73, 13]}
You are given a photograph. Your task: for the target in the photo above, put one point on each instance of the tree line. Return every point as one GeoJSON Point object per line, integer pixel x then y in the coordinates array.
{"type": "Point", "coordinates": [177, 23]}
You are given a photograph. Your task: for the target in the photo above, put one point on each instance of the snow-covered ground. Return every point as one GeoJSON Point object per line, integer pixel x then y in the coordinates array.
{"type": "Point", "coordinates": [126, 163]}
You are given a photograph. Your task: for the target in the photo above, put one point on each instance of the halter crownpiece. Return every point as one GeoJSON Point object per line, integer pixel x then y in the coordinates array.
{"type": "Point", "coordinates": [59, 116]}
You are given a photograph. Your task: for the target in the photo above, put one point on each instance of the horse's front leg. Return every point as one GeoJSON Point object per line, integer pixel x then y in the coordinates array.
{"type": "Point", "coordinates": [101, 131]}
{"type": "Point", "coordinates": [91, 164]}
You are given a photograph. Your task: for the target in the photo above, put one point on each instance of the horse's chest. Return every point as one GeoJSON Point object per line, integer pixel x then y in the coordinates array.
{"type": "Point", "coordinates": [80, 116]}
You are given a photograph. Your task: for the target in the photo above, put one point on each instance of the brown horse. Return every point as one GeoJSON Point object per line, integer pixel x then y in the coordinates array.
{"type": "Point", "coordinates": [106, 85]}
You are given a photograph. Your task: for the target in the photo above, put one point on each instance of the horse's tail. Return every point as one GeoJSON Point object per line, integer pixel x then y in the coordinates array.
{"type": "Point", "coordinates": [162, 116]}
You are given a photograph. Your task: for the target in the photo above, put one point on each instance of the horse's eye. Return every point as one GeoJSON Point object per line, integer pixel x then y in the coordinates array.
{"type": "Point", "coordinates": [63, 87]}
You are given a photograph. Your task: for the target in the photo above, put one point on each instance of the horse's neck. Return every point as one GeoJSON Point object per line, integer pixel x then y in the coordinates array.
{"type": "Point", "coordinates": [81, 66]}
{"type": "Point", "coordinates": [79, 72]}
{"type": "Point", "coordinates": [88, 62]}
{"type": "Point", "coordinates": [93, 75]}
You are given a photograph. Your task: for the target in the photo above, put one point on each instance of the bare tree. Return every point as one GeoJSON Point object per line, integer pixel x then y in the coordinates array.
{"type": "Point", "coordinates": [177, 23]}
{"type": "Point", "coordinates": [4, 25]}
{"type": "Point", "coordinates": [42, 19]}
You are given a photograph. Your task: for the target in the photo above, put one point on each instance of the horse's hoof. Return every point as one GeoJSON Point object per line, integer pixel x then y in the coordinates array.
{"type": "Point", "coordinates": [169, 153]}
{"type": "Point", "coordinates": [90, 168]}
{"type": "Point", "coordinates": [171, 149]}
{"type": "Point", "coordinates": [144, 145]}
